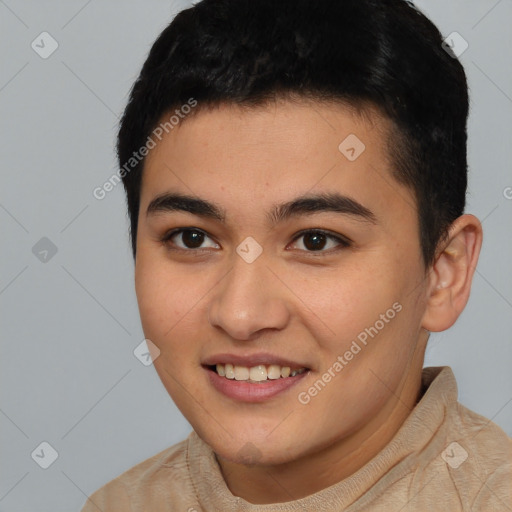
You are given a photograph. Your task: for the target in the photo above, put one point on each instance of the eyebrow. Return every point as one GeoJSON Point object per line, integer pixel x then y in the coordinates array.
{"type": "Point", "coordinates": [302, 205]}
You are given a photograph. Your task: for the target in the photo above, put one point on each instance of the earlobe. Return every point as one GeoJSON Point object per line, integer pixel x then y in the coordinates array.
{"type": "Point", "coordinates": [452, 273]}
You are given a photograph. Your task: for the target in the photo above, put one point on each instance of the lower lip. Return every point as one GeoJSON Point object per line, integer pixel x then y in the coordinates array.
{"type": "Point", "coordinates": [252, 392]}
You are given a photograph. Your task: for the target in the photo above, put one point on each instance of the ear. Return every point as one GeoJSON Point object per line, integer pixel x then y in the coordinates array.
{"type": "Point", "coordinates": [452, 273]}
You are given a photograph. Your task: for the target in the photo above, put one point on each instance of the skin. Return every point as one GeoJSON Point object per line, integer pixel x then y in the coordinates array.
{"type": "Point", "coordinates": [298, 303]}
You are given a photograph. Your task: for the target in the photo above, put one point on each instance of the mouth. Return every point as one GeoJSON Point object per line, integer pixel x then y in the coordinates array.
{"type": "Point", "coordinates": [258, 374]}
{"type": "Point", "coordinates": [261, 378]}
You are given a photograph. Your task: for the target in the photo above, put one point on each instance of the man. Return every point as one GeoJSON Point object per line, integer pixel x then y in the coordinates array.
{"type": "Point", "coordinates": [296, 176]}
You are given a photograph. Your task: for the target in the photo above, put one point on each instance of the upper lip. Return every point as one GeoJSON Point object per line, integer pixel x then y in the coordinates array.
{"type": "Point", "coordinates": [252, 360]}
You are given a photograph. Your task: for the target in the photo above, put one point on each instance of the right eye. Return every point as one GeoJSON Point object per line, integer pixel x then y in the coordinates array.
{"type": "Point", "coordinates": [190, 239]}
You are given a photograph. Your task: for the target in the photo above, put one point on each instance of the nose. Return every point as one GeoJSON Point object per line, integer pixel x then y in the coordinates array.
{"type": "Point", "coordinates": [249, 300]}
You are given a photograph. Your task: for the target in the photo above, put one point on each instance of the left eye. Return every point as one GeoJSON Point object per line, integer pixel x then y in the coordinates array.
{"type": "Point", "coordinates": [316, 241]}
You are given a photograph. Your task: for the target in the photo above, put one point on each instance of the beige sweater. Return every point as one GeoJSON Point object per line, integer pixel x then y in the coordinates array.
{"type": "Point", "coordinates": [444, 458]}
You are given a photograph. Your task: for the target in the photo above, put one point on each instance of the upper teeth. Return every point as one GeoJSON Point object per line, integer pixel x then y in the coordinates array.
{"type": "Point", "coordinates": [256, 373]}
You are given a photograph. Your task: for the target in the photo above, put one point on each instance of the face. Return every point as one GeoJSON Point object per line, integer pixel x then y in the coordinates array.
{"type": "Point", "coordinates": [292, 263]}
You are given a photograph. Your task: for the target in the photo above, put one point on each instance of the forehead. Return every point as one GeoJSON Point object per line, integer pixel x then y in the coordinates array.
{"type": "Point", "coordinates": [275, 152]}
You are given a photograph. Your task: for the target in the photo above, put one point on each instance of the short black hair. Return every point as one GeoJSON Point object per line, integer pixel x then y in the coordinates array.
{"type": "Point", "coordinates": [380, 52]}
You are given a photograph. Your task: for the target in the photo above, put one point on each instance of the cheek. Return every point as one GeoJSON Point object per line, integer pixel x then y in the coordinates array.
{"type": "Point", "coordinates": [346, 302]}
{"type": "Point", "coordinates": [166, 301]}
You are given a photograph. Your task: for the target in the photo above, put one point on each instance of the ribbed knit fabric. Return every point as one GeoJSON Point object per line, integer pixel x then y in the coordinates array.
{"type": "Point", "coordinates": [444, 457]}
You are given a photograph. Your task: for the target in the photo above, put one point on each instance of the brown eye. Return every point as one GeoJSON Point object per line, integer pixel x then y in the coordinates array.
{"type": "Point", "coordinates": [187, 239]}
{"type": "Point", "coordinates": [314, 241]}
{"type": "Point", "coordinates": [192, 239]}
{"type": "Point", "coordinates": [320, 241]}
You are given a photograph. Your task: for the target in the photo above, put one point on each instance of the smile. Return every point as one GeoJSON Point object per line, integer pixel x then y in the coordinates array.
{"type": "Point", "coordinates": [255, 374]}
{"type": "Point", "coordinates": [253, 384]}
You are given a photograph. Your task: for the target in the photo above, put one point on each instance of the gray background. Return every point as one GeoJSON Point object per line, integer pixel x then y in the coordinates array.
{"type": "Point", "coordinates": [70, 324]}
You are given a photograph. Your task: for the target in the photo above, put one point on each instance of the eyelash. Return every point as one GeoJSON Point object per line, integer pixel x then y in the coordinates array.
{"type": "Point", "coordinates": [343, 241]}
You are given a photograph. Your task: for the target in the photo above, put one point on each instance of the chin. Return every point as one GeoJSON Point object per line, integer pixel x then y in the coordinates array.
{"type": "Point", "coordinates": [253, 450]}
{"type": "Point", "coordinates": [251, 454]}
